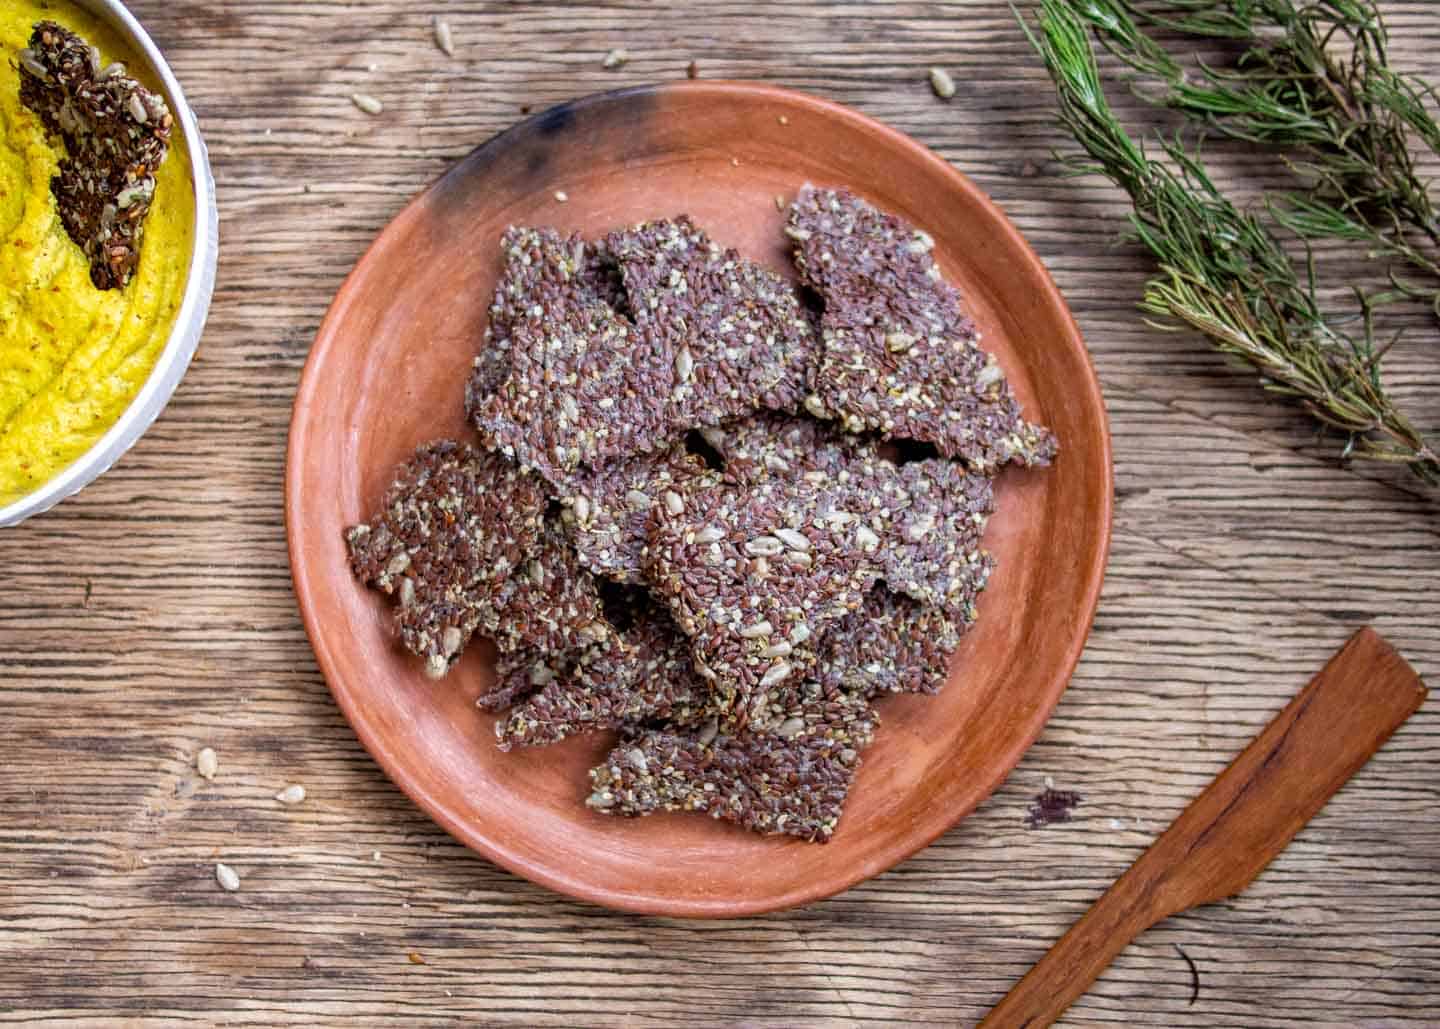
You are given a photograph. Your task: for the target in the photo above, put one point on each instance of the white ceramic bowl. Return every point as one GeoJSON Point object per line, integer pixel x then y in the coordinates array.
{"type": "Point", "coordinates": [189, 321]}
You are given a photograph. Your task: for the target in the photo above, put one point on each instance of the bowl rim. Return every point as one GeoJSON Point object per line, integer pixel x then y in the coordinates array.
{"type": "Point", "coordinates": [189, 324]}
{"type": "Point", "coordinates": [496, 851]}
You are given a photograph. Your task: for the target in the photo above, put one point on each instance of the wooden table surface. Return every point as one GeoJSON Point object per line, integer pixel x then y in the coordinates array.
{"type": "Point", "coordinates": [153, 615]}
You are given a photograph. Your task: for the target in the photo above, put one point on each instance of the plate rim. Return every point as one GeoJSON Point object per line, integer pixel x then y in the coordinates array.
{"type": "Point", "coordinates": [573, 886]}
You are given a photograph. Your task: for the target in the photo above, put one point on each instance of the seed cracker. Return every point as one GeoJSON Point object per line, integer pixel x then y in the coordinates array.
{"type": "Point", "coordinates": [931, 547]}
{"type": "Point", "coordinates": [565, 378]}
{"type": "Point", "coordinates": [929, 515]}
{"type": "Point", "coordinates": [607, 509]}
{"type": "Point", "coordinates": [537, 262]}
{"type": "Point", "coordinates": [551, 604]}
{"type": "Point", "coordinates": [451, 529]}
{"type": "Point", "coordinates": [116, 134]}
{"type": "Point", "coordinates": [898, 354]}
{"type": "Point", "coordinates": [753, 574]}
{"type": "Point", "coordinates": [738, 335]}
{"type": "Point", "coordinates": [770, 444]}
{"type": "Point", "coordinates": [519, 672]}
{"type": "Point", "coordinates": [893, 644]}
{"type": "Point", "coordinates": [644, 674]}
{"type": "Point", "coordinates": [790, 777]}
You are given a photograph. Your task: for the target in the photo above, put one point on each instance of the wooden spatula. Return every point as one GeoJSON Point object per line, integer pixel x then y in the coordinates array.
{"type": "Point", "coordinates": [1237, 826]}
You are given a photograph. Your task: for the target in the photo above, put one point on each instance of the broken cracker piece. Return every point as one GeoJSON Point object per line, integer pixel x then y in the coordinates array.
{"type": "Point", "coordinates": [753, 574]}
{"type": "Point", "coordinates": [565, 379]}
{"type": "Point", "coordinates": [519, 672]}
{"type": "Point", "coordinates": [736, 330]}
{"type": "Point", "coordinates": [451, 529]}
{"type": "Point", "coordinates": [644, 674]}
{"type": "Point", "coordinates": [898, 355]}
{"type": "Point", "coordinates": [550, 604]}
{"type": "Point", "coordinates": [893, 644]}
{"type": "Point", "coordinates": [790, 777]}
{"type": "Point", "coordinates": [931, 547]}
{"type": "Point", "coordinates": [607, 510]}
{"type": "Point", "coordinates": [116, 134]}
{"type": "Point", "coordinates": [929, 515]}
{"type": "Point", "coordinates": [770, 444]}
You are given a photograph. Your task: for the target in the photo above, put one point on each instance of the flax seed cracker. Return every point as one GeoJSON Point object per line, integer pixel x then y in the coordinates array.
{"type": "Point", "coordinates": [899, 356]}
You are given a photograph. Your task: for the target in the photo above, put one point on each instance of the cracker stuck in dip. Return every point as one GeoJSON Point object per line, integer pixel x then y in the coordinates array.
{"type": "Point", "coordinates": [73, 356]}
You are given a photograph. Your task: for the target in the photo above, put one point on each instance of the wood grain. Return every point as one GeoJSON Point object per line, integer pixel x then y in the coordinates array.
{"type": "Point", "coordinates": [152, 615]}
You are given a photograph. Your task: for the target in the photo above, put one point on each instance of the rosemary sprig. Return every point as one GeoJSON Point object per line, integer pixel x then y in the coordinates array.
{"type": "Point", "coordinates": [1222, 272]}
{"type": "Point", "coordinates": [1342, 107]}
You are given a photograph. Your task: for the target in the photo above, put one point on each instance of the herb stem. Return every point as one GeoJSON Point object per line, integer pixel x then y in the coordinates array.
{"type": "Point", "coordinates": [1220, 271]}
{"type": "Point", "coordinates": [1349, 116]}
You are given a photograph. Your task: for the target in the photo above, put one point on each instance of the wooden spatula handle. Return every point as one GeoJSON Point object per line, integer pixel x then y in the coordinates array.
{"type": "Point", "coordinates": [1077, 960]}
{"type": "Point", "coordinates": [1239, 823]}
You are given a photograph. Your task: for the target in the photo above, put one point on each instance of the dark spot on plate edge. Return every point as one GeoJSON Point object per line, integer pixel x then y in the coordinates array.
{"type": "Point", "coordinates": [525, 150]}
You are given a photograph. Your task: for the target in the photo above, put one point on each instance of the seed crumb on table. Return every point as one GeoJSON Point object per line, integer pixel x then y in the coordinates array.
{"type": "Point", "coordinates": [207, 763]}
{"type": "Point", "coordinates": [227, 877]}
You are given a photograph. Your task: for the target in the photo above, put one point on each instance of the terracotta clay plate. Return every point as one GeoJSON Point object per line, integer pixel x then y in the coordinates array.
{"type": "Point", "coordinates": [387, 373]}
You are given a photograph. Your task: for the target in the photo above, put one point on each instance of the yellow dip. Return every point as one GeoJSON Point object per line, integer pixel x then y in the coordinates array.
{"type": "Point", "coordinates": [72, 357]}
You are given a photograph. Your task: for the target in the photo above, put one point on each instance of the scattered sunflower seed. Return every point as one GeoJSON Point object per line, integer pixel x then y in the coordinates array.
{"type": "Point", "coordinates": [207, 763]}
{"type": "Point", "coordinates": [227, 877]}
{"type": "Point", "coordinates": [444, 38]}
{"type": "Point", "coordinates": [292, 794]}
{"type": "Point", "coordinates": [942, 83]}
{"type": "Point", "coordinates": [561, 196]}
{"type": "Point", "coordinates": [615, 59]}
{"type": "Point", "coordinates": [367, 103]}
